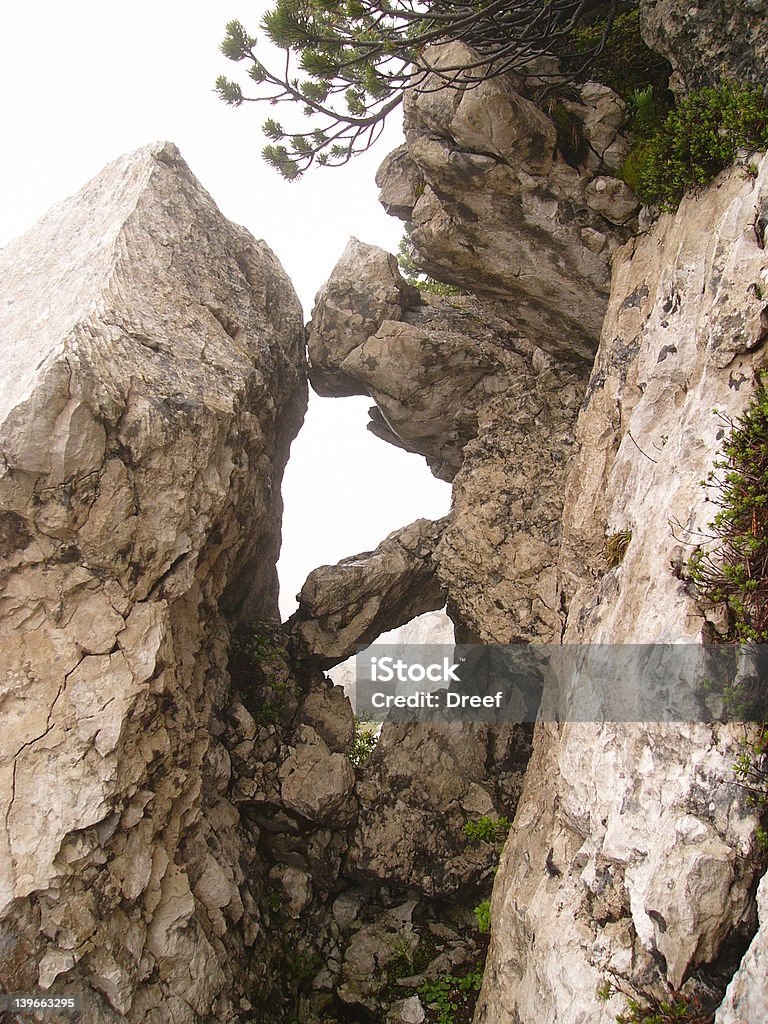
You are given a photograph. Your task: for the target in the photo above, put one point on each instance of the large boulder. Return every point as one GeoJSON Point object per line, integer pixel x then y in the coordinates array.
{"type": "Point", "coordinates": [353, 602]}
{"type": "Point", "coordinates": [152, 380]}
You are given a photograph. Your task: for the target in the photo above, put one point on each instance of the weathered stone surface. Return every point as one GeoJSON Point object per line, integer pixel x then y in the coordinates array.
{"type": "Point", "coordinates": [372, 947]}
{"type": "Point", "coordinates": [747, 995]}
{"type": "Point", "coordinates": [708, 42]}
{"type": "Point", "coordinates": [497, 206]}
{"type": "Point", "coordinates": [429, 628]}
{"type": "Point", "coordinates": [353, 602]}
{"type": "Point", "coordinates": [365, 290]}
{"type": "Point", "coordinates": [644, 824]}
{"type": "Point", "coordinates": [327, 710]}
{"type": "Point", "coordinates": [454, 382]}
{"type": "Point", "coordinates": [420, 787]}
{"type": "Point", "coordinates": [316, 783]}
{"type": "Point", "coordinates": [152, 379]}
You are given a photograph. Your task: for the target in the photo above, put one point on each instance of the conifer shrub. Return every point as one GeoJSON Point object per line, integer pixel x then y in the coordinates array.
{"type": "Point", "coordinates": [694, 142]}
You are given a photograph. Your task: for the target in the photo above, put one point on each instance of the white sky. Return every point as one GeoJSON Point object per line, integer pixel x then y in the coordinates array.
{"type": "Point", "coordinates": [82, 83]}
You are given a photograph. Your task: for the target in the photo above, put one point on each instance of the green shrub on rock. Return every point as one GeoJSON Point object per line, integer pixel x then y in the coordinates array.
{"type": "Point", "coordinates": [695, 141]}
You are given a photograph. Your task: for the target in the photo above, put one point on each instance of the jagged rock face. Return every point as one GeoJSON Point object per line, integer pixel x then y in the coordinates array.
{"type": "Point", "coordinates": [706, 43]}
{"type": "Point", "coordinates": [747, 995]}
{"type": "Point", "coordinates": [365, 289]}
{"type": "Point", "coordinates": [502, 204]}
{"type": "Point", "coordinates": [644, 823]}
{"type": "Point", "coordinates": [486, 407]}
{"type": "Point", "coordinates": [152, 382]}
{"type": "Point", "coordinates": [498, 553]}
{"type": "Point", "coordinates": [423, 783]}
{"type": "Point", "coordinates": [428, 364]}
{"type": "Point", "coordinates": [355, 601]}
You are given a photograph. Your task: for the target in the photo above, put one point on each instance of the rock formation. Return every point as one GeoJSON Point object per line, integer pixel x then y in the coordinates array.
{"type": "Point", "coordinates": [501, 205]}
{"type": "Point", "coordinates": [646, 825]}
{"type": "Point", "coordinates": [190, 832]}
{"type": "Point", "coordinates": [456, 383]}
{"type": "Point", "coordinates": [706, 43]}
{"type": "Point", "coordinates": [352, 603]}
{"type": "Point", "coordinates": [152, 382]}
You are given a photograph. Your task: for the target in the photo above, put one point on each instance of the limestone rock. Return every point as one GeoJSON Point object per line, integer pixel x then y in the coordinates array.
{"type": "Point", "coordinates": [372, 947]}
{"type": "Point", "coordinates": [497, 203]}
{"type": "Point", "coordinates": [152, 380]}
{"type": "Point", "coordinates": [365, 290]}
{"type": "Point", "coordinates": [407, 1011]}
{"type": "Point", "coordinates": [326, 709]}
{"type": "Point", "coordinates": [747, 995]}
{"type": "Point", "coordinates": [420, 787]}
{"type": "Point", "coordinates": [429, 628]}
{"type": "Point", "coordinates": [646, 828]}
{"type": "Point", "coordinates": [316, 783]}
{"type": "Point", "coordinates": [353, 602]}
{"type": "Point", "coordinates": [454, 382]}
{"type": "Point", "coordinates": [706, 43]}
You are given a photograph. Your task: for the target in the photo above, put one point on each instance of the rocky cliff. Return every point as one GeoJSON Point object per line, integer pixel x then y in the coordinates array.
{"type": "Point", "coordinates": [632, 864]}
{"type": "Point", "coordinates": [153, 378]}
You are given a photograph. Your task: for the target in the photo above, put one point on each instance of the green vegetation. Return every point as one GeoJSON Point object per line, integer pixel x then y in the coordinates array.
{"type": "Point", "coordinates": [676, 1010]}
{"type": "Point", "coordinates": [451, 998]}
{"type": "Point", "coordinates": [625, 63]}
{"type": "Point", "coordinates": [487, 829]}
{"type": "Point", "coordinates": [261, 671]}
{"type": "Point", "coordinates": [688, 146]}
{"type": "Point", "coordinates": [483, 914]}
{"type": "Point", "coordinates": [345, 65]}
{"type": "Point", "coordinates": [645, 1008]}
{"type": "Point", "coordinates": [406, 259]}
{"type": "Point", "coordinates": [364, 742]}
{"type": "Point", "coordinates": [734, 571]}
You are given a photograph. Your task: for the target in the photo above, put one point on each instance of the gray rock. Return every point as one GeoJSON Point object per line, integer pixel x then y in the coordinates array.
{"type": "Point", "coordinates": [353, 602]}
{"type": "Point", "coordinates": [644, 823]}
{"type": "Point", "coordinates": [152, 379]}
{"type": "Point", "coordinates": [351, 307]}
{"type": "Point", "coordinates": [329, 712]}
{"type": "Point", "coordinates": [420, 787]}
{"type": "Point", "coordinates": [747, 996]}
{"type": "Point", "coordinates": [499, 208]}
{"type": "Point", "coordinates": [708, 42]}
{"type": "Point", "coordinates": [317, 784]}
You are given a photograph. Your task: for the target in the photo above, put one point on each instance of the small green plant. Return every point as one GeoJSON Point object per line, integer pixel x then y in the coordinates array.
{"type": "Point", "coordinates": [734, 570]}
{"type": "Point", "coordinates": [750, 171]}
{"type": "Point", "coordinates": [451, 997]}
{"type": "Point", "coordinates": [604, 991]}
{"type": "Point", "coordinates": [625, 63]}
{"type": "Point", "coordinates": [363, 743]}
{"type": "Point", "coordinates": [483, 914]}
{"type": "Point", "coordinates": [751, 769]}
{"type": "Point", "coordinates": [406, 259]}
{"type": "Point", "coordinates": [487, 829]}
{"type": "Point", "coordinates": [274, 900]}
{"type": "Point", "coordinates": [674, 1011]}
{"type": "Point", "coordinates": [694, 142]}
{"type": "Point", "coordinates": [616, 547]}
